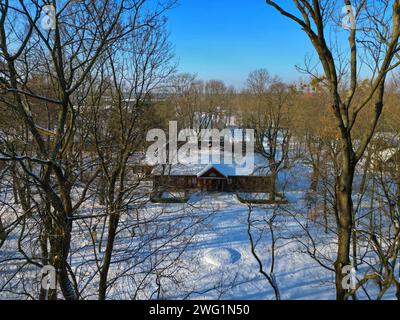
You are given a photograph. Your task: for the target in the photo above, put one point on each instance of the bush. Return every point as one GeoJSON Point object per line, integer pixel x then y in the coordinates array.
{"type": "Point", "coordinates": [157, 198]}
{"type": "Point", "coordinates": [261, 201]}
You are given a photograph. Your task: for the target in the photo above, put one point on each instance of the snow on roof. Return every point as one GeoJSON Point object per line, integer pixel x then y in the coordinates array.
{"type": "Point", "coordinates": [177, 170]}
{"type": "Point", "coordinates": [138, 158]}
{"type": "Point", "coordinates": [383, 156]}
{"type": "Point", "coordinates": [387, 154]}
{"type": "Point", "coordinates": [222, 169]}
{"type": "Point", "coordinates": [227, 169]}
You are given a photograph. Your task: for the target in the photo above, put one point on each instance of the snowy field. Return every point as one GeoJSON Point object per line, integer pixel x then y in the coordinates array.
{"type": "Point", "coordinates": [208, 235]}
{"type": "Point", "coordinates": [225, 268]}
{"type": "Point", "coordinates": [196, 250]}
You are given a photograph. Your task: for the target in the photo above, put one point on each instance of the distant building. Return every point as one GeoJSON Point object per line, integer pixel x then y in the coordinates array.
{"type": "Point", "coordinates": [212, 177]}
{"type": "Point", "coordinates": [386, 159]}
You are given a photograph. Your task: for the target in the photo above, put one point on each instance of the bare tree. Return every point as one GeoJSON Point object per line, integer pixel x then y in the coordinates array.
{"type": "Point", "coordinates": [142, 66]}
{"type": "Point", "coordinates": [64, 55]}
{"type": "Point", "coordinates": [376, 39]}
{"type": "Point", "coordinates": [269, 115]}
{"type": "Point", "coordinates": [254, 241]}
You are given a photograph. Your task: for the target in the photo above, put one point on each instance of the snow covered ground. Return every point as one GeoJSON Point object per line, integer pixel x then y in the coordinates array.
{"type": "Point", "coordinates": [198, 250]}
{"type": "Point", "coordinates": [225, 268]}
{"type": "Point", "coordinates": [215, 263]}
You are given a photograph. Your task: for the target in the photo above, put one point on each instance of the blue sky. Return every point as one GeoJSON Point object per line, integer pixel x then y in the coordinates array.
{"type": "Point", "coordinates": [226, 39]}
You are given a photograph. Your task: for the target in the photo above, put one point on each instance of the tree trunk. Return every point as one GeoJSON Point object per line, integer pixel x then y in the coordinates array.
{"type": "Point", "coordinates": [398, 291]}
{"type": "Point", "coordinates": [112, 230]}
{"type": "Point", "coordinates": [345, 223]}
{"type": "Point", "coordinates": [115, 203]}
{"type": "Point", "coordinates": [45, 258]}
{"type": "Point", "coordinates": [14, 183]}
{"type": "Point", "coordinates": [103, 228]}
{"type": "Point", "coordinates": [354, 240]}
{"type": "Point", "coordinates": [272, 196]}
{"type": "Point", "coordinates": [102, 190]}
{"type": "Point", "coordinates": [314, 180]}
{"type": "Point", "coordinates": [2, 233]}
{"type": "Point", "coordinates": [60, 246]}
{"type": "Point", "coordinates": [326, 209]}
{"type": "Point", "coordinates": [371, 209]}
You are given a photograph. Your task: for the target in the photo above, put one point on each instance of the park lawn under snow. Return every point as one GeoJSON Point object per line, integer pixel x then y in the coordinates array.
{"type": "Point", "coordinates": [219, 263]}
{"type": "Point", "coordinates": [225, 268]}
{"type": "Point", "coordinates": [216, 262]}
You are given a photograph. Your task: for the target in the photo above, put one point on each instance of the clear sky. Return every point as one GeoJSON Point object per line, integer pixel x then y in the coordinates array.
{"type": "Point", "coordinates": [226, 39]}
